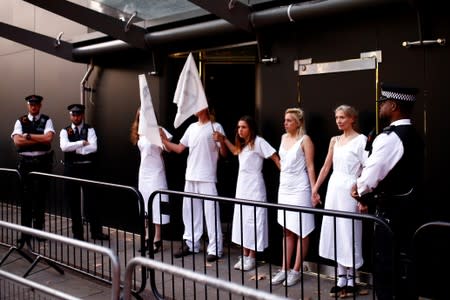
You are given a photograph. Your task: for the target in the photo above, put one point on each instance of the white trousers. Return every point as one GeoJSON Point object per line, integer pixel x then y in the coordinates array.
{"type": "Point", "coordinates": [193, 218]}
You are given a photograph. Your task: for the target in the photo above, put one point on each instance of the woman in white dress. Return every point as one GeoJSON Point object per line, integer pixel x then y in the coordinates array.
{"type": "Point", "coordinates": [251, 150]}
{"type": "Point", "coordinates": [297, 176]}
{"type": "Point", "coordinates": [152, 176]}
{"type": "Point", "coordinates": [346, 156]}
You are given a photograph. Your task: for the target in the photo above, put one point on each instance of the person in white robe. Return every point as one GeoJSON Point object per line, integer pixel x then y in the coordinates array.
{"type": "Point", "coordinates": [251, 150]}
{"type": "Point", "coordinates": [346, 155]}
{"type": "Point", "coordinates": [297, 177]}
{"type": "Point", "coordinates": [151, 177]}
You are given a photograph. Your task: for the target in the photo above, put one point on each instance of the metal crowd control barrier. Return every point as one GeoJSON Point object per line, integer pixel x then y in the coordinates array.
{"type": "Point", "coordinates": [220, 284]}
{"type": "Point", "coordinates": [126, 226]}
{"type": "Point", "coordinates": [10, 202]}
{"type": "Point", "coordinates": [122, 214]}
{"type": "Point", "coordinates": [30, 284]}
{"type": "Point", "coordinates": [311, 284]}
{"type": "Point", "coordinates": [115, 266]}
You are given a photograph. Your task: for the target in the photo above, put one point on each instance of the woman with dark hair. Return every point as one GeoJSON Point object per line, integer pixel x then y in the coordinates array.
{"type": "Point", "coordinates": [251, 150]}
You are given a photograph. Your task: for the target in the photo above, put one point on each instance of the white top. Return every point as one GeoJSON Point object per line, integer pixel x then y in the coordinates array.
{"type": "Point", "coordinates": [293, 174]}
{"type": "Point", "coordinates": [387, 149]}
{"type": "Point", "coordinates": [250, 183]}
{"type": "Point", "coordinates": [203, 151]}
{"type": "Point", "coordinates": [152, 174]}
{"type": "Point", "coordinates": [77, 146]}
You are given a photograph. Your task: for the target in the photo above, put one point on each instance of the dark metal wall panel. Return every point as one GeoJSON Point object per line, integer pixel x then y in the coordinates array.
{"type": "Point", "coordinates": [17, 82]}
{"type": "Point", "coordinates": [277, 85]}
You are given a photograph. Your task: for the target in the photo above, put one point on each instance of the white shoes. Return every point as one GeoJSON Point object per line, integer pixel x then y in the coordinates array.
{"type": "Point", "coordinates": [245, 263]}
{"type": "Point", "coordinates": [292, 278]}
{"type": "Point", "coordinates": [279, 277]}
{"type": "Point", "coordinates": [238, 265]}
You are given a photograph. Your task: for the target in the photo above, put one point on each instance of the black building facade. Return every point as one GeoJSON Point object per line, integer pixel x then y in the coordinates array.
{"type": "Point", "coordinates": [255, 57]}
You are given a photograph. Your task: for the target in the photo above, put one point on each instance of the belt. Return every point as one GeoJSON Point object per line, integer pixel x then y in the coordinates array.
{"type": "Point", "coordinates": [81, 162]}
{"type": "Point", "coordinates": [32, 159]}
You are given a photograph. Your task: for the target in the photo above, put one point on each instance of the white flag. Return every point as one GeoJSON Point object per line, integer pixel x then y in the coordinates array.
{"type": "Point", "coordinates": [189, 95]}
{"type": "Point", "coordinates": [148, 126]}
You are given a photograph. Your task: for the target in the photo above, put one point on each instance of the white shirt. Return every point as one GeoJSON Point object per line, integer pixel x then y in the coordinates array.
{"type": "Point", "coordinates": [203, 151]}
{"type": "Point", "coordinates": [387, 150]}
{"type": "Point", "coordinates": [68, 146]}
{"type": "Point", "coordinates": [18, 130]}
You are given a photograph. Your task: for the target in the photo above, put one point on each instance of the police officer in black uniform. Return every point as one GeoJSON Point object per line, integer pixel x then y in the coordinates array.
{"type": "Point", "coordinates": [391, 181]}
{"type": "Point", "coordinates": [78, 141]}
{"type": "Point", "coordinates": [33, 134]}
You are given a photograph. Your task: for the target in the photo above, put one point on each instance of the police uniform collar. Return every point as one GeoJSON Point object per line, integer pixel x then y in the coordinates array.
{"type": "Point", "coordinates": [30, 117]}
{"type": "Point", "coordinates": [401, 122]}
{"type": "Point", "coordinates": [79, 126]}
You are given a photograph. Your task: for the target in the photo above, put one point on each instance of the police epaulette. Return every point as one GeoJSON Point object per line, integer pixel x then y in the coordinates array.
{"type": "Point", "coordinates": [389, 129]}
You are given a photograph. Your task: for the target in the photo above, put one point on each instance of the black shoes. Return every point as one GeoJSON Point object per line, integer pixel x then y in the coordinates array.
{"type": "Point", "coordinates": [157, 246]}
{"type": "Point", "coordinates": [100, 236]}
{"type": "Point", "coordinates": [343, 292]}
{"type": "Point", "coordinates": [336, 291]}
{"type": "Point", "coordinates": [211, 258]}
{"type": "Point", "coordinates": [184, 250]}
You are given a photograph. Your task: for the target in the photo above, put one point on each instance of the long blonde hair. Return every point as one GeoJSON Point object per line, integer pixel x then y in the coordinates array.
{"type": "Point", "coordinates": [297, 113]}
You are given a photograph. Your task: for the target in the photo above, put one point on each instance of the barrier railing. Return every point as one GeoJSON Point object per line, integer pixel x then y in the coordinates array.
{"type": "Point", "coordinates": [33, 287]}
{"type": "Point", "coordinates": [313, 283]}
{"type": "Point", "coordinates": [113, 260]}
{"type": "Point", "coordinates": [10, 202]}
{"type": "Point", "coordinates": [122, 214]}
{"type": "Point", "coordinates": [58, 221]}
{"type": "Point", "coordinates": [230, 287]}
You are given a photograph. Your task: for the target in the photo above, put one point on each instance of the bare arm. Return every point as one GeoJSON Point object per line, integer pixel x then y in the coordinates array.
{"type": "Point", "coordinates": [169, 146]}
{"type": "Point", "coordinates": [276, 159]}
{"type": "Point", "coordinates": [308, 149]}
{"type": "Point", "coordinates": [326, 167]}
{"type": "Point", "coordinates": [224, 143]}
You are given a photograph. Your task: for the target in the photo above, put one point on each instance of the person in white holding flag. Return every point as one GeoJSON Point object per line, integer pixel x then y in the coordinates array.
{"type": "Point", "coordinates": [201, 169]}
{"type": "Point", "coordinates": [152, 174]}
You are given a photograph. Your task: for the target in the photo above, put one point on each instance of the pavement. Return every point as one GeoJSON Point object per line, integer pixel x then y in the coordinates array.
{"type": "Point", "coordinates": [171, 287]}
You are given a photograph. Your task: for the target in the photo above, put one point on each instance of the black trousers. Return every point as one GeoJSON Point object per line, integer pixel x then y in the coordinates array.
{"type": "Point", "coordinates": [34, 189]}
{"type": "Point", "coordinates": [90, 202]}
{"type": "Point", "coordinates": [394, 273]}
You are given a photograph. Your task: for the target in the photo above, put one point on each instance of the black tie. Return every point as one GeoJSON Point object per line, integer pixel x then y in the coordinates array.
{"type": "Point", "coordinates": [77, 132]}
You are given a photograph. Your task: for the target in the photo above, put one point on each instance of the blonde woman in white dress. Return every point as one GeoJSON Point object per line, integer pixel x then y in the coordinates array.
{"type": "Point", "coordinates": [251, 150]}
{"type": "Point", "coordinates": [346, 156]}
{"type": "Point", "coordinates": [297, 176]}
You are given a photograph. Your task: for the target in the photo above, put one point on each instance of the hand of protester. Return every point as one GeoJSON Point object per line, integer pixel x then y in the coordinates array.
{"type": "Point", "coordinates": [354, 192]}
{"type": "Point", "coordinates": [163, 136]}
{"type": "Point", "coordinates": [218, 137]}
{"type": "Point", "coordinates": [363, 208]}
{"type": "Point", "coordinates": [316, 199]}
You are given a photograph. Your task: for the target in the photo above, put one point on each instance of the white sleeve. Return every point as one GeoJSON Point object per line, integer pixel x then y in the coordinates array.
{"type": "Point", "coordinates": [386, 152]}
{"type": "Point", "coordinates": [65, 144]}
{"type": "Point", "coordinates": [49, 126]}
{"type": "Point", "coordinates": [92, 146]}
